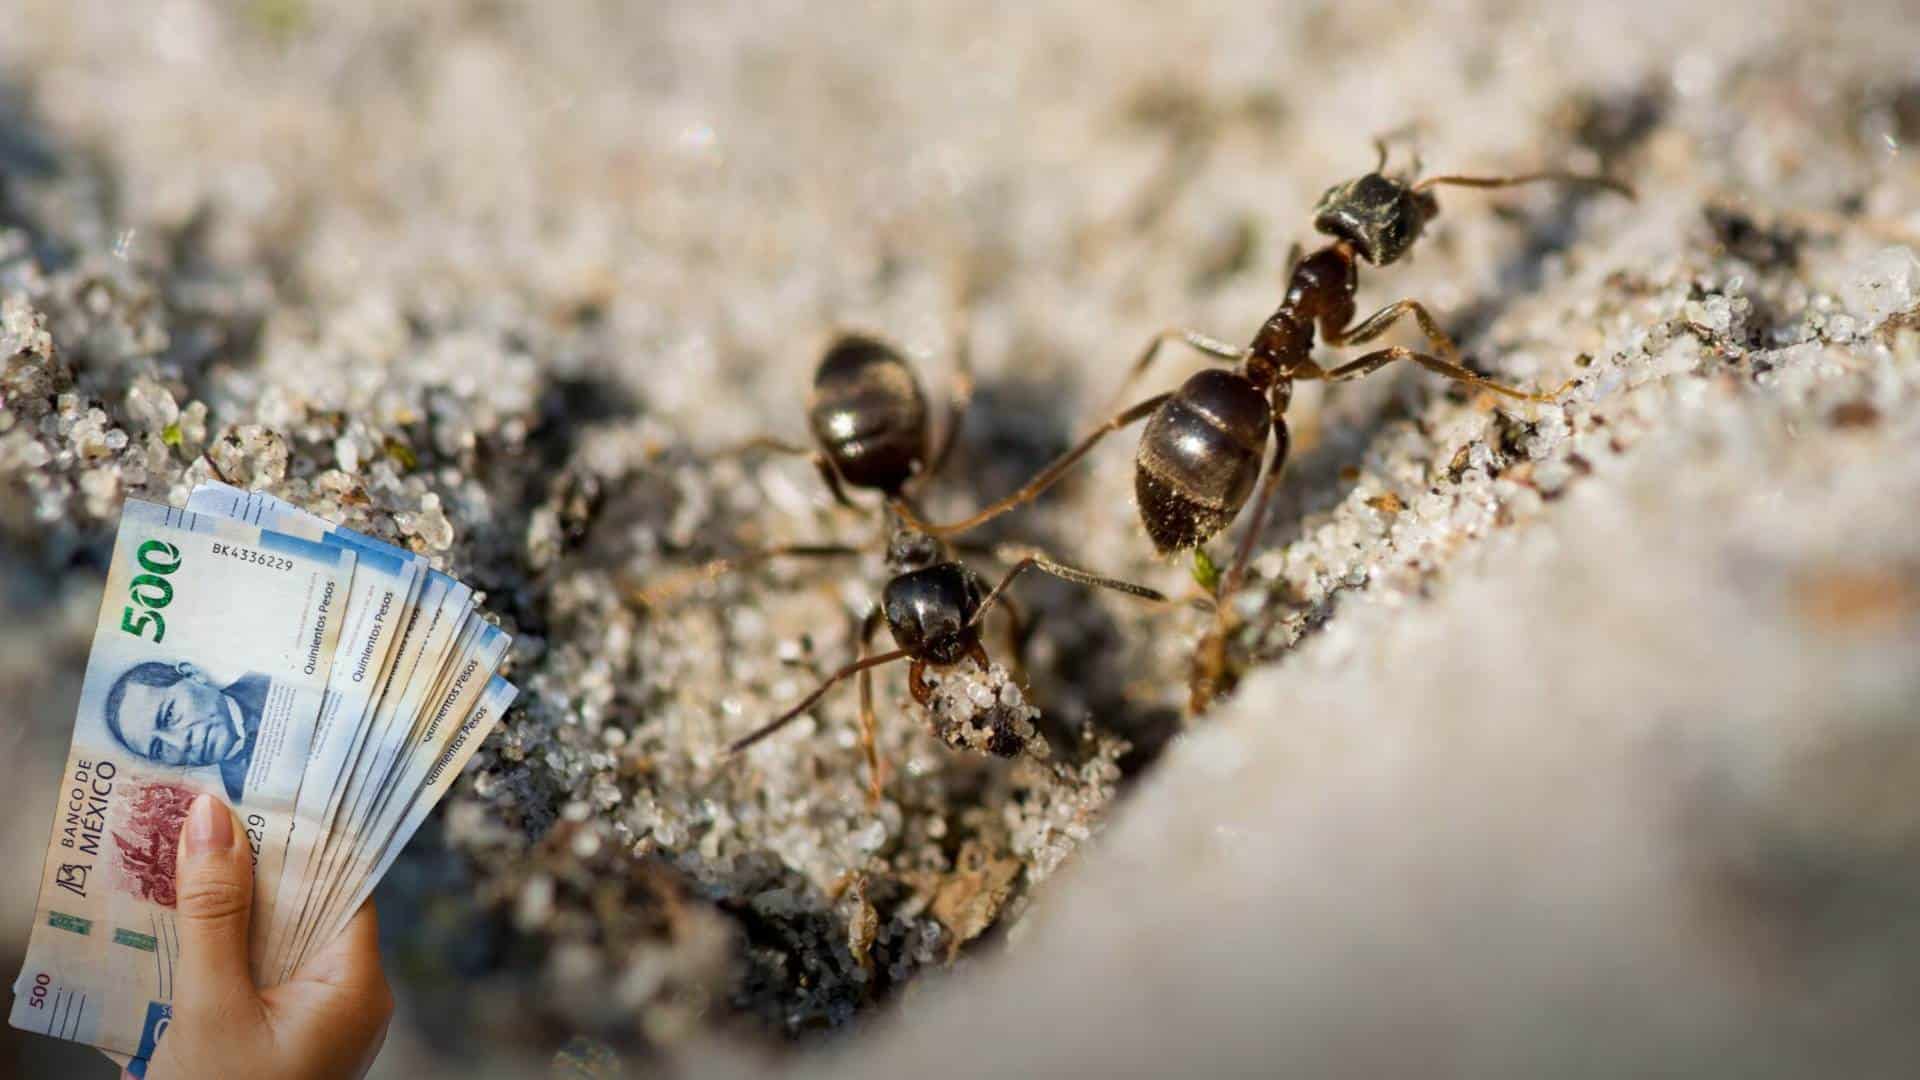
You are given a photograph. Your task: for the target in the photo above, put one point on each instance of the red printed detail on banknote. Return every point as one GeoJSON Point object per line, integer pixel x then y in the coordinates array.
{"type": "Point", "coordinates": [148, 840]}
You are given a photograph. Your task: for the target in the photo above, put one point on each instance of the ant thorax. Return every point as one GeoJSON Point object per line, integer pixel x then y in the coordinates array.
{"type": "Point", "coordinates": [910, 549]}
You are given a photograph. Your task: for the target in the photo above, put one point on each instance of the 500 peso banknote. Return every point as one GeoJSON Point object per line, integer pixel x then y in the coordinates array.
{"type": "Point", "coordinates": [210, 660]}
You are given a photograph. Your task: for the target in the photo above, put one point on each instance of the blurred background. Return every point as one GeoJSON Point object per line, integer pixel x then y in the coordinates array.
{"type": "Point", "coordinates": [1572, 739]}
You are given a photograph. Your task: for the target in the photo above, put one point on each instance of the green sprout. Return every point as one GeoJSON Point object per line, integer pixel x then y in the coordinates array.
{"type": "Point", "coordinates": [1205, 571]}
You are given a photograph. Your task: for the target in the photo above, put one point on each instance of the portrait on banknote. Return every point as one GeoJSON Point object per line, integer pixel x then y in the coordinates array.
{"type": "Point", "coordinates": [175, 714]}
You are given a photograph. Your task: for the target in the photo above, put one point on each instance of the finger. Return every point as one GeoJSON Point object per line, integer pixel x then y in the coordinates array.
{"type": "Point", "coordinates": [343, 982]}
{"type": "Point", "coordinates": [351, 962]}
{"type": "Point", "coordinates": [213, 889]}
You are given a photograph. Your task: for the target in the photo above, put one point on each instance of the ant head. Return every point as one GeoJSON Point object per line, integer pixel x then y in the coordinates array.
{"type": "Point", "coordinates": [930, 611]}
{"type": "Point", "coordinates": [1377, 214]}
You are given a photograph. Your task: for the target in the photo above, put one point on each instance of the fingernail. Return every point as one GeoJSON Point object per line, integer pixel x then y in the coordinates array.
{"type": "Point", "coordinates": [209, 826]}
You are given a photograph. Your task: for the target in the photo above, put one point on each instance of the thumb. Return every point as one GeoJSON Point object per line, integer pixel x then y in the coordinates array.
{"type": "Point", "coordinates": [213, 887]}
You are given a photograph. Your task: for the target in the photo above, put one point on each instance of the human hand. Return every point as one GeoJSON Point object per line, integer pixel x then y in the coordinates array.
{"type": "Point", "coordinates": [325, 1023]}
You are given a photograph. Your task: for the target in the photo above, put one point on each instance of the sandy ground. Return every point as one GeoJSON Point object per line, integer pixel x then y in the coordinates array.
{"type": "Point", "coordinates": [1573, 738]}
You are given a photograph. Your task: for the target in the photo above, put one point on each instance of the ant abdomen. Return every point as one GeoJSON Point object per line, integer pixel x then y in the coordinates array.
{"type": "Point", "coordinates": [869, 414]}
{"type": "Point", "coordinates": [1200, 457]}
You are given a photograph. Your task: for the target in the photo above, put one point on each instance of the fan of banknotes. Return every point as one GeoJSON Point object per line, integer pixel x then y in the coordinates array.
{"type": "Point", "coordinates": [328, 686]}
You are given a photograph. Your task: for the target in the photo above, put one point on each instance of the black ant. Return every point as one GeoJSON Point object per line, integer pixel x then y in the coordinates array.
{"type": "Point", "coordinates": [869, 420]}
{"type": "Point", "coordinates": [1199, 456]}
{"type": "Point", "coordinates": [868, 416]}
{"type": "Point", "coordinates": [934, 612]}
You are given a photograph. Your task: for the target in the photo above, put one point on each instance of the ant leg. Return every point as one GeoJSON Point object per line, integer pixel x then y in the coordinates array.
{"type": "Point", "coordinates": [1374, 361]}
{"type": "Point", "coordinates": [917, 684]}
{"type": "Point", "coordinates": [1035, 560]}
{"type": "Point", "coordinates": [868, 725]}
{"type": "Point", "coordinates": [831, 474]}
{"type": "Point", "coordinates": [768, 445]}
{"type": "Point", "coordinates": [977, 653]}
{"type": "Point", "coordinates": [807, 702]}
{"type": "Point", "coordinates": [764, 444]}
{"type": "Point", "coordinates": [1041, 481]}
{"type": "Point", "coordinates": [1381, 321]}
{"type": "Point", "coordinates": [959, 397]}
{"type": "Point", "coordinates": [661, 592]}
{"type": "Point", "coordinates": [1211, 672]}
{"type": "Point", "coordinates": [1377, 323]}
{"type": "Point", "coordinates": [1243, 552]}
{"type": "Point", "coordinates": [1046, 477]}
{"type": "Point", "coordinates": [1554, 176]}
{"type": "Point", "coordinates": [1201, 343]}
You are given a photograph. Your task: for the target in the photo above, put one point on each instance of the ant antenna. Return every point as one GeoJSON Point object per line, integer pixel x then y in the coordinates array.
{"type": "Point", "coordinates": [1405, 132]}
{"type": "Point", "coordinates": [1586, 179]}
{"type": "Point", "coordinates": [807, 702]}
